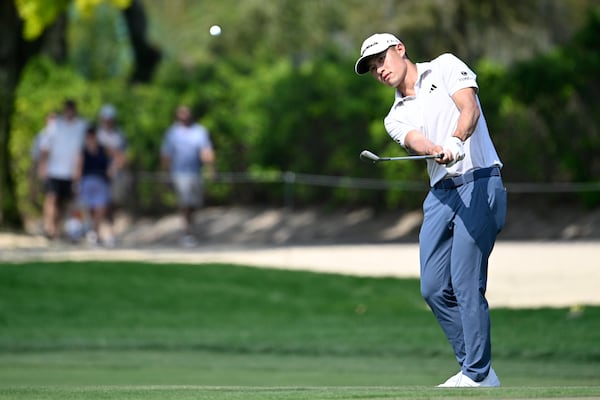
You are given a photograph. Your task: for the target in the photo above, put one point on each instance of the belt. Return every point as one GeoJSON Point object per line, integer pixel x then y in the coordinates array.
{"type": "Point", "coordinates": [467, 177]}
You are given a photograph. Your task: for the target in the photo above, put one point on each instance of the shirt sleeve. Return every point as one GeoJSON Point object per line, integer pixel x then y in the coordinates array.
{"type": "Point", "coordinates": [42, 141]}
{"type": "Point", "coordinates": [456, 74]}
{"type": "Point", "coordinates": [397, 130]}
{"type": "Point", "coordinates": [204, 135]}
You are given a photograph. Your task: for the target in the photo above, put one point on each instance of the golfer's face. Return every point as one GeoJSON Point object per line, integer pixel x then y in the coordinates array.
{"type": "Point", "coordinates": [388, 67]}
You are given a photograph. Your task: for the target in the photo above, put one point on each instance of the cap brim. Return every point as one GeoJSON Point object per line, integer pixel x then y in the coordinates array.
{"type": "Point", "coordinates": [361, 66]}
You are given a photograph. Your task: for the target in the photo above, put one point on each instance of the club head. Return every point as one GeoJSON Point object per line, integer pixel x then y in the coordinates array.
{"type": "Point", "coordinates": [367, 155]}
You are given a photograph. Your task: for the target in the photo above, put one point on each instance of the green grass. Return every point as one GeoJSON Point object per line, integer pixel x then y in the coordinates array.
{"type": "Point", "coordinates": [131, 331]}
{"type": "Point", "coordinates": [290, 393]}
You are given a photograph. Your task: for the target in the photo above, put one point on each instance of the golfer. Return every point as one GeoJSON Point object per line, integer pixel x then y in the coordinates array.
{"type": "Point", "coordinates": [436, 111]}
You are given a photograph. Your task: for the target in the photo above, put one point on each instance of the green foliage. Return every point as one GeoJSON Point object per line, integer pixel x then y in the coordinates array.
{"type": "Point", "coordinates": [542, 112]}
{"type": "Point", "coordinates": [274, 103]}
{"type": "Point", "coordinates": [254, 130]}
{"type": "Point", "coordinates": [99, 43]}
{"type": "Point", "coordinates": [39, 14]}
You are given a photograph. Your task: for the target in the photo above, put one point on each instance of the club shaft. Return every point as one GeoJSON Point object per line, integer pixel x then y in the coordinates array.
{"type": "Point", "coordinates": [367, 155]}
{"type": "Point", "coordinates": [425, 157]}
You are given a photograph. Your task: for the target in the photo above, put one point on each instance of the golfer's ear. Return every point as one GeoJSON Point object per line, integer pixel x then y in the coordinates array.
{"type": "Point", "coordinates": [401, 49]}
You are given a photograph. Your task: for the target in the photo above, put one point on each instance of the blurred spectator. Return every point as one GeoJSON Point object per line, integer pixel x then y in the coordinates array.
{"type": "Point", "coordinates": [185, 150]}
{"type": "Point", "coordinates": [35, 185]}
{"type": "Point", "coordinates": [95, 166]}
{"type": "Point", "coordinates": [112, 138]}
{"type": "Point", "coordinates": [59, 150]}
{"type": "Point", "coordinates": [49, 125]}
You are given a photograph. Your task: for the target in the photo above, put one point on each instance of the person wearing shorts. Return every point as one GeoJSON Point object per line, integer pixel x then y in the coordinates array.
{"type": "Point", "coordinates": [189, 189]}
{"type": "Point", "coordinates": [185, 151]}
{"type": "Point", "coordinates": [59, 149]}
{"type": "Point", "coordinates": [94, 169]}
{"type": "Point", "coordinates": [436, 111]}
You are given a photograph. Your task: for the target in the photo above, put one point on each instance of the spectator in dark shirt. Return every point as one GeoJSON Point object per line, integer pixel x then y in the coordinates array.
{"type": "Point", "coordinates": [94, 171]}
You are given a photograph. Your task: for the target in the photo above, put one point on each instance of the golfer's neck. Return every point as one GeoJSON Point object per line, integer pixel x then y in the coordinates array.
{"type": "Point", "coordinates": [407, 86]}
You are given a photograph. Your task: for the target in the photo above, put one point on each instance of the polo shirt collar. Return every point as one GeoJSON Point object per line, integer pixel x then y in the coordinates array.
{"type": "Point", "coordinates": [422, 69]}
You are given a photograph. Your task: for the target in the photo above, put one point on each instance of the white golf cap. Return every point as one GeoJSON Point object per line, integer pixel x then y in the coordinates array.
{"type": "Point", "coordinates": [108, 111]}
{"type": "Point", "coordinates": [374, 44]}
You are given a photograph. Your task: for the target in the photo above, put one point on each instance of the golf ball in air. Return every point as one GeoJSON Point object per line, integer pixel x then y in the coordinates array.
{"type": "Point", "coordinates": [215, 30]}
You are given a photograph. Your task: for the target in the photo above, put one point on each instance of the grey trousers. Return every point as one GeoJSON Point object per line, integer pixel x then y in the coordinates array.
{"type": "Point", "coordinates": [456, 239]}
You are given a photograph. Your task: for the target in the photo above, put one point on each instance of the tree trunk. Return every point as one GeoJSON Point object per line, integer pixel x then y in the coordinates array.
{"type": "Point", "coordinates": [14, 54]}
{"type": "Point", "coordinates": [147, 56]}
{"type": "Point", "coordinates": [12, 60]}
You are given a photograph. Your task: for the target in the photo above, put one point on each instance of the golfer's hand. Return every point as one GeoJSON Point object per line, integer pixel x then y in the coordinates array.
{"type": "Point", "coordinates": [438, 150]}
{"type": "Point", "coordinates": [454, 151]}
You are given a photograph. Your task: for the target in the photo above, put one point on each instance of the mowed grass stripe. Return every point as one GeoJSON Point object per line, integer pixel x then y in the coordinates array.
{"type": "Point", "coordinates": [294, 393]}
{"type": "Point", "coordinates": [141, 367]}
{"type": "Point", "coordinates": [208, 307]}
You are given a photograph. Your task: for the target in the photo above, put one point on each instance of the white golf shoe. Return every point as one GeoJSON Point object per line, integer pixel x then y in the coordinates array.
{"type": "Point", "coordinates": [452, 381]}
{"type": "Point", "coordinates": [461, 380]}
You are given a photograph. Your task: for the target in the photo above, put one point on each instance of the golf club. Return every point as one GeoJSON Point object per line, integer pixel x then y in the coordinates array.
{"type": "Point", "coordinates": [367, 155]}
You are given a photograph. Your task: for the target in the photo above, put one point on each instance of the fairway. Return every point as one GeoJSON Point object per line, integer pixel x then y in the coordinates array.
{"type": "Point", "coordinates": [293, 393]}
{"type": "Point", "coordinates": [114, 330]}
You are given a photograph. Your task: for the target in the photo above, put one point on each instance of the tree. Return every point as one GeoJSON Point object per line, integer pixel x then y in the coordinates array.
{"type": "Point", "coordinates": [147, 56]}
{"type": "Point", "coordinates": [15, 50]}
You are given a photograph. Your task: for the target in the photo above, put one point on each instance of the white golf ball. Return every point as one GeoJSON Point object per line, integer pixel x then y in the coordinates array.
{"type": "Point", "coordinates": [215, 30]}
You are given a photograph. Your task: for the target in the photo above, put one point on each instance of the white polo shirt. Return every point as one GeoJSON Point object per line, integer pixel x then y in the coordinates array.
{"type": "Point", "coordinates": [432, 112]}
{"type": "Point", "coordinates": [64, 144]}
